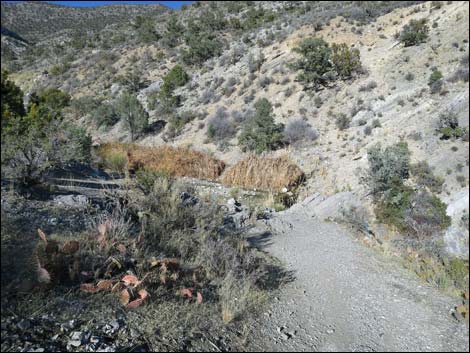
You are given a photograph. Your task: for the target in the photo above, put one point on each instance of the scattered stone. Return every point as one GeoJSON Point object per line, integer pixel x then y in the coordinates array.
{"type": "Point", "coordinates": [24, 324]}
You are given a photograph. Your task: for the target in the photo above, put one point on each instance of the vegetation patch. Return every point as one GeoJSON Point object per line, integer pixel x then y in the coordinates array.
{"type": "Point", "coordinates": [171, 161]}
{"type": "Point", "coordinates": [264, 173]}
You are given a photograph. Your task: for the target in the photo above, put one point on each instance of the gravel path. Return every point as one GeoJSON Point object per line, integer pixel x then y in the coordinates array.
{"type": "Point", "coordinates": [346, 297]}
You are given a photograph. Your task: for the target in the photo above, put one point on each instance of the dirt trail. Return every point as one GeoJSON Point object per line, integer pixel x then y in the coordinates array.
{"type": "Point", "coordinates": [346, 297]}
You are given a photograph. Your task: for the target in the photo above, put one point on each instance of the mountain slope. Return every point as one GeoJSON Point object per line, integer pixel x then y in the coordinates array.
{"type": "Point", "coordinates": [36, 20]}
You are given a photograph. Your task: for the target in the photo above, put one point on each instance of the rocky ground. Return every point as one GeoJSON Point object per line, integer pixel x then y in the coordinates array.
{"type": "Point", "coordinates": [338, 295]}
{"type": "Point", "coordinates": [346, 297]}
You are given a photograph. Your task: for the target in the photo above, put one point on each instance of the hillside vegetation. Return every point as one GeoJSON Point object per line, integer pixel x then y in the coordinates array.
{"type": "Point", "coordinates": [258, 104]}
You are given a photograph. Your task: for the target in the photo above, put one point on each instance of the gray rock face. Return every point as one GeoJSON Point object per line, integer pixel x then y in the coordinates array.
{"type": "Point", "coordinates": [75, 201]}
{"type": "Point", "coordinates": [456, 237]}
{"type": "Point", "coordinates": [237, 213]}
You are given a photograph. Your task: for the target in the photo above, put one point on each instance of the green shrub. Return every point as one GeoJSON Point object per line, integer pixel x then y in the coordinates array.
{"type": "Point", "coordinates": [50, 101]}
{"type": "Point", "coordinates": [105, 114]}
{"type": "Point", "coordinates": [315, 62]}
{"type": "Point", "coordinates": [388, 167]}
{"type": "Point", "coordinates": [417, 213]}
{"type": "Point", "coordinates": [202, 43]}
{"type": "Point", "coordinates": [414, 33]}
{"type": "Point", "coordinates": [424, 176]}
{"type": "Point", "coordinates": [320, 63]}
{"type": "Point", "coordinates": [261, 133]}
{"type": "Point", "coordinates": [449, 125]}
{"type": "Point", "coordinates": [173, 32]}
{"type": "Point", "coordinates": [178, 121]}
{"type": "Point", "coordinates": [426, 214]}
{"type": "Point", "coordinates": [146, 31]}
{"type": "Point", "coordinates": [177, 77]}
{"type": "Point", "coordinates": [345, 60]}
{"type": "Point", "coordinates": [84, 105]}
{"type": "Point", "coordinates": [11, 99]}
{"type": "Point", "coordinates": [435, 76]}
{"type": "Point", "coordinates": [133, 114]}
{"type": "Point", "coordinates": [133, 80]}
{"type": "Point", "coordinates": [342, 121]}
{"type": "Point", "coordinates": [40, 140]}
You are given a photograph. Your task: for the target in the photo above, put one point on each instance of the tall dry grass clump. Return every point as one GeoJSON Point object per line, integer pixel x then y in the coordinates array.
{"type": "Point", "coordinates": [168, 160]}
{"type": "Point", "coordinates": [264, 173]}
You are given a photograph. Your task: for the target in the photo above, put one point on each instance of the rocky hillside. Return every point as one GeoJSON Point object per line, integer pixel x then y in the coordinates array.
{"type": "Point", "coordinates": [236, 53]}
{"type": "Point", "coordinates": [35, 21]}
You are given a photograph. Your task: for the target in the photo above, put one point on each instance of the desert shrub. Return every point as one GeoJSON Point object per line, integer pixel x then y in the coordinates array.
{"type": "Point", "coordinates": [177, 77]}
{"type": "Point", "coordinates": [314, 62]}
{"type": "Point", "coordinates": [409, 76]}
{"type": "Point", "coordinates": [221, 127]}
{"type": "Point", "coordinates": [435, 81]}
{"type": "Point", "coordinates": [59, 69]}
{"type": "Point", "coordinates": [298, 131]}
{"type": "Point", "coordinates": [320, 63]}
{"type": "Point", "coordinates": [449, 125]}
{"type": "Point", "coordinates": [264, 173]}
{"type": "Point", "coordinates": [368, 87]}
{"type": "Point", "coordinates": [145, 28]}
{"type": "Point", "coordinates": [345, 60]}
{"type": "Point", "coordinates": [264, 81]}
{"type": "Point", "coordinates": [461, 74]}
{"type": "Point", "coordinates": [465, 220]}
{"type": "Point", "coordinates": [201, 47]}
{"type": "Point", "coordinates": [133, 114]}
{"type": "Point", "coordinates": [105, 114]}
{"type": "Point", "coordinates": [207, 96]}
{"type": "Point", "coordinates": [388, 167]}
{"type": "Point", "coordinates": [343, 121]}
{"type": "Point", "coordinates": [177, 122]}
{"type": "Point", "coordinates": [318, 101]}
{"type": "Point", "coordinates": [11, 99]}
{"type": "Point", "coordinates": [376, 123]}
{"type": "Point", "coordinates": [288, 92]}
{"type": "Point", "coordinates": [435, 76]}
{"type": "Point", "coordinates": [254, 18]}
{"type": "Point", "coordinates": [194, 234]}
{"type": "Point", "coordinates": [261, 133]}
{"type": "Point", "coordinates": [40, 140]}
{"type": "Point", "coordinates": [172, 35]}
{"type": "Point", "coordinates": [255, 63]}
{"type": "Point", "coordinates": [417, 213]}
{"type": "Point", "coordinates": [84, 105]}
{"type": "Point", "coordinates": [414, 33]}
{"type": "Point", "coordinates": [50, 101]}
{"type": "Point", "coordinates": [424, 176]}
{"type": "Point", "coordinates": [133, 79]}
{"type": "Point", "coordinates": [426, 214]}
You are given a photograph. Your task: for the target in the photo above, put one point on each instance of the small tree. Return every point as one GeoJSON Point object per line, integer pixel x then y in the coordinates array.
{"type": "Point", "coordinates": [11, 99]}
{"type": "Point", "coordinates": [131, 111]}
{"type": "Point", "coordinates": [261, 133]}
{"type": "Point", "coordinates": [345, 60]}
{"type": "Point", "coordinates": [315, 61]}
{"type": "Point", "coordinates": [177, 77]}
{"type": "Point", "coordinates": [414, 33]}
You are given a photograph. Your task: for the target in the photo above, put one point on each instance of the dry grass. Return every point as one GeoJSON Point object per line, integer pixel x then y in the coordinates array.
{"type": "Point", "coordinates": [264, 173]}
{"type": "Point", "coordinates": [171, 161]}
